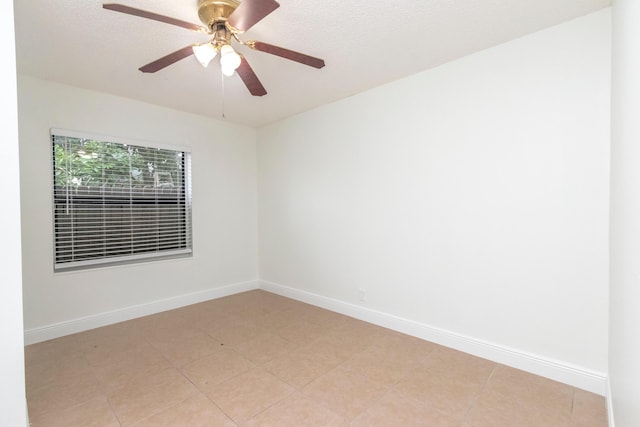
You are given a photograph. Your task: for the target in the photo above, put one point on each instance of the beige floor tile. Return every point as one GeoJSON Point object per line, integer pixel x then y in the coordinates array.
{"type": "Point", "coordinates": [277, 319]}
{"type": "Point", "coordinates": [55, 369]}
{"type": "Point", "coordinates": [379, 365]}
{"type": "Point", "coordinates": [303, 365]}
{"type": "Point", "coordinates": [235, 332]}
{"type": "Point", "coordinates": [395, 410]}
{"type": "Point", "coordinates": [341, 344]}
{"type": "Point", "coordinates": [442, 358]}
{"type": "Point", "coordinates": [99, 345]}
{"type": "Point", "coordinates": [116, 370]}
{"type": "Point", "coordinates": [303, 309]}
{"type": "Point", "coordinates": [325, 318]}
{"type": "Point", "coordinates": [185, 346]}
{"type": "Point", "coordinates": [510, 388]}
{"type": "Point", "coordinates": [301, 332]}
{"type": "Point", "coordinates": [208, 314]}
{"type": "Point", "coordinates": [166, 327]}
{"type": "Point", "coordinates": [278, 302]}
{"type": "Point", "coordinates": [62, 394]}
{"type": "Point", "coordinates": [535, 389]}
{"type": "Point", "coordinates": [212, 370]}
{"type": "Point", "coordinates": [410, 349]}
{"type": "Point", "coordinates": [93, 413]}
{"type": "Point", "coordinates": [589, 410]}
{"type": "Point", "coordinates": [516, 397]}
{"type": "Point", "coordinates": [259, 359]}
{"type": "Point", "coordinates": [450, 380]}
{"type": "Point", "coordinates": [247, 394]}
{"type": "Point", "coordinates": [344, 392]}
{"type": "Point", "coordinates": [264, 348]}
{"type": "Point", "coordinates": [51, 350]}
{"type": "Point", "coordinates": [156, 323]}
{"type": "Point", "coordinates": [296, 410]}
{"type": "Point", "coordinates": [358, 331]}
{"type": "Point", "coordinates": [224, 304]}
{"type": "Point", "coordinates": [250, 305]}
{"type": "Point", "coordinates": [196, 411]}
{"type": "Point", "coordinates": [195, 313]}
{"type": "Point", "coordinates": [215, 321]}
{"type": "Point", "coordinates": [252, 312]}
{"type": "Point", "coordinates": [494, 409]}
{"type": "Point", "coordinates": [148, 395]}
{"type": "Point", "coordinates": [339, 347]}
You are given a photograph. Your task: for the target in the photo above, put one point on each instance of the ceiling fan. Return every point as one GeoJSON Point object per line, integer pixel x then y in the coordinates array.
{"type": "Point", "coordinates": [225, 21]}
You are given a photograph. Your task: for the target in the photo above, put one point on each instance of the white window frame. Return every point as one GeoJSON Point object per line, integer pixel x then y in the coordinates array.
{"type": "Point", "coordinates": [183, 207]}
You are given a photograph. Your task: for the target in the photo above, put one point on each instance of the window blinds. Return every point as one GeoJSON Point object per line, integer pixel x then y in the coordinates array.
{"type": "Point", "coordinates": [118, 202]}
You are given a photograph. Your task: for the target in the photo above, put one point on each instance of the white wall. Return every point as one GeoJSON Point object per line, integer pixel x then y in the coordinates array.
{"type": "Point", "coordinates": [13, 407]}
{"type": "Point", "coordinates": [624, 329]}
{"type": "Point", "coordinates": [471, 198]}
{"type": "Point", "coordinates": [224, 209]}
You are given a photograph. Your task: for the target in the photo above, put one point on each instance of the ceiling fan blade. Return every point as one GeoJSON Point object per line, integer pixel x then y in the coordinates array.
{"type": "Point", "coordinates": [250, 79]}
{"type": "Point", "coordinates": [286, 53]}
{"type": "Point", "coordinates": [154, 16]}
{"type": "Point", "coordinates": [250, 12]}
{"type": "Point", "coordinates": [167, 60]}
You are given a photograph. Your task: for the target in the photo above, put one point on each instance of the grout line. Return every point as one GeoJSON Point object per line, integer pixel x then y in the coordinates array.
{"type": "Point", "coordinates": [473, 402]}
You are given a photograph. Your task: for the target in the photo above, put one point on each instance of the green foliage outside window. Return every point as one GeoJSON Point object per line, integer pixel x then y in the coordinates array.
{"type": "Point", "coordinates": [91, 163]}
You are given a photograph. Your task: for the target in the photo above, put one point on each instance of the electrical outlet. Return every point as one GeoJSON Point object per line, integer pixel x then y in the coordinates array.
{"type": "Point", "coordinates": [362, 295]}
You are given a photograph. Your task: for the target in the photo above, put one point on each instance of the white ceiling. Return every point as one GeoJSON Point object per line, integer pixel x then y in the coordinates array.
{"type": "Point", "coordinates": [365, 43]}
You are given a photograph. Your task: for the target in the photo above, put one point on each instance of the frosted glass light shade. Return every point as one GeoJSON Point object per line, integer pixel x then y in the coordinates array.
{"type": "Point", "coordinates": [229, 60]}
{"type": "Point", "coordinates": [204, 53]}
{"type": "Point", "coordinates": [227, 71]}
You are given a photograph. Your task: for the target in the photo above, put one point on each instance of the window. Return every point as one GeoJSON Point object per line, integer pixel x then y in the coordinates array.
{"type": "Point", "coordinates": [116, 201]}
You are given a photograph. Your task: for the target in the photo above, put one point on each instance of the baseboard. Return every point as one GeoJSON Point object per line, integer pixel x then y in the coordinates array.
{"type": "Point", "coordinates": [609, 400]}
{"type": "Point", "coordinates": [57, 330]}
{"type": "Point", "coordinates": [585, 379]}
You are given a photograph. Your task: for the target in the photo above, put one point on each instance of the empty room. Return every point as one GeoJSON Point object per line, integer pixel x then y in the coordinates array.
{"type": "Point", "coordinates": [260, 213]}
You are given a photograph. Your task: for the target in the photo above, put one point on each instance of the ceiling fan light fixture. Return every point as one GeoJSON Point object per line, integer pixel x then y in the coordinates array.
{"type": "Point", "coordinates": [229, 60]}
{"type": "Point", "coordinates": [227, 71]}
{"type": "Point", "coordinates": [204, 53]}
{"type": "Point", "coordinates": [223, 21]}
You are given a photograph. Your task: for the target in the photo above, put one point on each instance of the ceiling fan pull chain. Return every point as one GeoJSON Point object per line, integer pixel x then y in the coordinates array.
{"type": "Point", "coordinates": [222, 79]}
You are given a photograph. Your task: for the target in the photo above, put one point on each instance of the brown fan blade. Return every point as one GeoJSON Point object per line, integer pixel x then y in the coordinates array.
{"type": "Point", "coordinates": [167, 60]}
{"type": "Point", "coordinates": [286, 53]}
{"type": "Point", "coordinates": [250, 12]}
{"type": "Point", "coordinates": [154, 16]}
{"type": "Point", "coordinates": [250, 79]}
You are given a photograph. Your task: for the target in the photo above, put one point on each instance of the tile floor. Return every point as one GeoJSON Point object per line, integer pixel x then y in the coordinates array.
{"type": "Point", "coordinates": [258, 359]}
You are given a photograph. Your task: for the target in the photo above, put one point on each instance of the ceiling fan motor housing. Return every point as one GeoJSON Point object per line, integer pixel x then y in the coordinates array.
{"type": "Point", "coordinates": [213, 11]}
